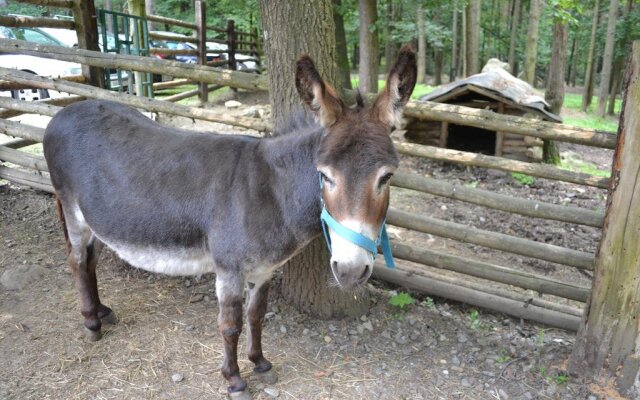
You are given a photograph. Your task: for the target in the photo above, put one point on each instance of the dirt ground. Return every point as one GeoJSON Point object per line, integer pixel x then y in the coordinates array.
{"type": "Point", "coordinates": [166, 345]}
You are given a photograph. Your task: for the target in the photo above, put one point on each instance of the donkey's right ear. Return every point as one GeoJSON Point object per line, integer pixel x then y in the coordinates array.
{"type": "Point", "coordinates": [319, 97]}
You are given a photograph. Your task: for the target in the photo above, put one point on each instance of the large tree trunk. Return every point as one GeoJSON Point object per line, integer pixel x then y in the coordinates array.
{"type": "Point", "coordinates": [554, 93]}
{"type": "Point", "coordinates": [305, 276]}
{"type": "Point", "coordinates": [515, 14]}
{"type": "Point", "coordinates": [368, 71]}
{"type": "Point", "coordinates": [607, 61]}
{"type": "Point", "coordinates": [608, 343]}
{"type": "Point", "coordinates": [531, 51]}
{"type": "Point", "coordinates": [389, 46]}
{"type": "Point", "coordinates": [616, 81]}
{"type": "Point", "coordinates": [588, 74]}
{"type": "Point", "coordinates": [150, 8]}
{"type": "Point", "coordinates": [344, 72]}
{"type": "Point", "coordinates": [437, 66]}
{"type": "Point", "coordinates": [473, 37]}
{"type": "Point", "coordinates": [422, 46]}
{"type": "Point", "coordinates": [571, 75]}
{"type": "Point", "coordinates": [454, 44]}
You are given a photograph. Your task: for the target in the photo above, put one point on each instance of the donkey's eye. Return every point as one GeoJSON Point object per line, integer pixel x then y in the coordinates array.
{"type": "Point", "coordinates": [325, 178]}
{"type": "Point", "coordinates": [385, 178]}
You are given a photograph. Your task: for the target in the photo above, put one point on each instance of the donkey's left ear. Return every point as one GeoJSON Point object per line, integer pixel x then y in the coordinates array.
{"type": "Point", "coordinates": [400, 83]}
{"type": "Point", "coordinates": [318, 96]}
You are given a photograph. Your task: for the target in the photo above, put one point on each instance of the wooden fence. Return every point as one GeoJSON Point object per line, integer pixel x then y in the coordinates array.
{"type": "Point", "coordinates": [520, 296]}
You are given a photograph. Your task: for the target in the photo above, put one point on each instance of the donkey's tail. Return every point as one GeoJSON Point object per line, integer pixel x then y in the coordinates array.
{"type": "Point", "coordinates": [60, 213]}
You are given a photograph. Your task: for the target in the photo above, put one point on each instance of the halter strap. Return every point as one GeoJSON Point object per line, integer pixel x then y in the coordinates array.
{"type": "Point", "coordinates": [356, 238]}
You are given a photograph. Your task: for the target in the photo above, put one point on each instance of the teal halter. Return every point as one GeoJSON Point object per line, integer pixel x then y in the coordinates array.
{"type": "Point", "coordinates": [356, 238]}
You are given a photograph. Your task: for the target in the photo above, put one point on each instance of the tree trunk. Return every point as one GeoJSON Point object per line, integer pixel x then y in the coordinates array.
{"type": "Point", "coordinates": [422, 51]}
{"type": "Point", "coordinates": [437, 66]}
{"type": "Point", "coordinates": [608, 341]}
{"type": "Point", "coordinates": [463, 45]}
{"type": "Point", "coordinates": [514, 35]}
{"type": "Point", "coordinates": [305, 276]}
{"type": "Point", "coordinates": [616, 82]}
{"type": "Point", "coordinates": [473, 35]}
{"type": "Point", "coordinates": [344, 72]}
{"type": "Point", "coordinates": [368, 71]}
{"type": "Point", "coordinates": [150, 8]}
{"type": "Point", "coordinates": [454, 44]}
{"type": "Point", "coordinates": [389, 47]}
{"type": "Point", "coordinates": [531, 51]}
{"type": "Point", "coordinates": [607, 61]}
{"type": "Point", "coordinates": [554, 93]}
{"type": "Point", "coordinates": [588, 74]}
{"type": "Point", "coordinates": [571, 76]}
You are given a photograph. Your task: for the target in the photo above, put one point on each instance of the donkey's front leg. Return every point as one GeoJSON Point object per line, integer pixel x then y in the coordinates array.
{"type": "Point", "coordinates": [257, 307]}
{"type": "Point", "coordinates": [229, 290]}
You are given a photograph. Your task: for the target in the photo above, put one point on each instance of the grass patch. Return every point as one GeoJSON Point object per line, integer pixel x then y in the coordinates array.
{"type": "Point", "coordinates": [609, 124]}
{"type": "Point", "coordinates": [523, 179]}
{"type": "Point", "coordinates": [574, 101]}
{"type": "Point", "coordinates": [578, 165]}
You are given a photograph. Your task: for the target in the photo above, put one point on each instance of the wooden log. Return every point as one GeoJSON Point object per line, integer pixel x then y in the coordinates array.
{"type": "Point", "coordinates": [190, 93]}
{"type": "Point", "coordinates": [524, 297]}
{"type": "Point", "coordinates": [485, 270]}
{"type": "Point", "coordinates": [481, 160]}
{"type": "Point", "coordinates": [35, 22]}
{"type": "Point", "coordinates": [172, 84]}
{"type": "Point", "coordinates": [173, 52]}
{"type": "Point", "coordinates": [17, 129]}
{"type": "Point", "coordinates": [26, 178]}
{"type": "Point", "coordinates": [30, 107]}
{"type": "Point", "coordinates": [444, 134]}
{"type": "Point", "coordinates": [476, 298]}
{"type": "Point", "coordinates": [133, 101]}
{"type": "Point", "coordinates": [499, 134]}
{"type": "Point", "coordinates": [50, 3]}
{"type": "Point", "coordinates": [23, 159]}
{"type": "Point", "coordinates": [21, 108]}
{"type": "Point", "coordinates": [171, 21]}
{"type": "Point", "coordinates": [7, 85]}
{"type": "Point", "coordinates": [196, 72]}
{"type": "Point", "coordinates": [493, 240]}
{"type": "Point", "coordinates": [161, 36]}
{"type": "Point", "coordinates": [497, 201]}
{"type": "Point", "coordinates": [18, 143]}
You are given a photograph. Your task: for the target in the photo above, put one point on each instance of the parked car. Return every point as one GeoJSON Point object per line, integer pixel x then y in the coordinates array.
{"type": "Point", "coordinates": [35, 65]}
{"type": "Point", "coordinates": [243, 61]}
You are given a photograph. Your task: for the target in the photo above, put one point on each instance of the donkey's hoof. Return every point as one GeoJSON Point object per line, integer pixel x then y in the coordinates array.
{"type": "Point", "coordinates": [269, 377]}
{"type": "Point", "coordinates": [241, 395]}
{"type": "Point", "coordinates": [92, 336]}
{"type": "Point", "coordinates": [109, 319]}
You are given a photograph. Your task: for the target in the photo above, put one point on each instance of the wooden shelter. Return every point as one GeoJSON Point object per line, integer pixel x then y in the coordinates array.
{"type": "Point", "coordinates": [496, 90]}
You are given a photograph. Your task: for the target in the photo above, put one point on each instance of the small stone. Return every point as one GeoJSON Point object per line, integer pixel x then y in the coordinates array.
{"type": "Point", "coordinates": [503, 394]}
{"type": "Point", "coordinates": [462, 338]}
{"type": "Point", "coordinates": [363, 318]}
{"type": "Point", "coordinates": [232, 104]}
{"type": "Point", "coordinates": [283, 329]}
{"type": "Point", "coordinates": [360, 329]}
{"type": "Point", "coordinates": [332, 328]}
{"type": "Point", "coordinates": [443, 207]}
{"type": "Point", "coordinates": [269, 315]}
{"type": "Point", "coordinates": [190, 328]}
{"type": "Point", "coordinates": [198, 297]}
{"type": "Point", "coordinates": [445, 372]}
{"type": "Point", "coordinates": [465, 382]}
{"type": "Point", "coordinates": [187, 283]}
{"type": "Point", "coordinates": [368, 326]}
{"type": "Point", "coordinates": [327, 339]}
{"type": "Point", "coordinates": [177, 378]}
{"type": "Point", "coordinates": [353, 332]}
{"type": "Point", "coordinates": [400, 339]}
{"type": "Point", "coordinates": [305, 331]}
{"type": "Point", "coordinates": [455, 361]}
{"type": "Point", "coordinates": [273, 392]}
{"type": "Point", "coordinates": [251, 112]}
{"type": "Point", "coordinates": [411, 320]}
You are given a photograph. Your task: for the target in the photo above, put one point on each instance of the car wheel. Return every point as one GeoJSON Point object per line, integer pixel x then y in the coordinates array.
{"type": "Point", "coordinates": [30, 94]}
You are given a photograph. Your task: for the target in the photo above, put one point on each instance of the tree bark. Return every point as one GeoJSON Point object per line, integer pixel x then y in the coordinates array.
{"type": "Point", "coordinates": [607, 61]}
{"type": "Point", "coordinates": [473, 35]}
{"type": "Point", "coordinates": [344, 71]}
{"type": "Point", "coordinates": [571, 75]}
{"type": "Point", "coordinates": [368, 71]}
{"type": "Point", "coordinates": [531, 51]}
{"type": "Point", "coordinates": [150, 9]}
{"type": "Point", "coordinates": [554, 93]}
{"type": "Point", "coordinates": [454, 44]}
{"type": "Point", "coordinates": [514, 35]}
{"type": "Point", "coordinates": [437, 66]}
{"type": "Point", "coordinates": [305, 276]}
{"type": "Point", "coordinates": [422, 46]}
{"type": "Point", "coordinates": [588, 74]}
{"type": "Point", "coordinates": [608, 342]}
{"type": "Point", "coordinates": [615, 88]}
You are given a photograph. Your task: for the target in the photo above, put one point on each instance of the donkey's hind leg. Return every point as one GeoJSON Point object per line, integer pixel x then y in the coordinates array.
{"type": "Point", "coordinates": [83, 250]}
{"type": "Point", "coordinates": [257, 307]}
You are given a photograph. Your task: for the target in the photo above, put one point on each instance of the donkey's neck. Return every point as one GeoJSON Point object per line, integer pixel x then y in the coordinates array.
{"type": "Point", "coordinates": [297, 189]}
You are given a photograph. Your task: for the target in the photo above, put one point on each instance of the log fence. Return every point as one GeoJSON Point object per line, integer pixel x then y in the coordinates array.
{"type": "Point", "coordinates": [520, 297]}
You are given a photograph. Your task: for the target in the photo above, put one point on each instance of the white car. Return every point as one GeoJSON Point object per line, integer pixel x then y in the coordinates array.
{"type": "Point", "coordinates": [35, 65]}
{"type": "Point", "coordinates": [243, 61]}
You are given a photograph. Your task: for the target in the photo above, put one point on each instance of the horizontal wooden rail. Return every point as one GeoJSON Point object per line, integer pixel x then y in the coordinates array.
{"type": "Point", "coordinates": [502, 164]}
{"type": "Point", "coordinates": [18, 143]}
{"type": "Point", "coordinates": [196, 72]}
{"type": "Point", "coordinates": [31, 107]}
{"type": "Point", "coordinates": [190, 93]}
{"type": "Point", "coordinates": [130, 100]}
{"type": "Point", "coordinates": [160, 36]}
{"type": "Point", "coordinates": [171, 21]}
{"type": "Point", "coordinates": [6, 85]}
{"type": "Point", "coordinates": [451, 291]}
{"type": "Point", "coordinates": [14, 108]}
{"type": "Point", "coordinates": [172, 84]}
{"type": "Point", "coordinates": [493, 240]}
{"type": "Point", "coordinates": [26, 178]}
{"type": "Point", "coordinates": [173, 52]}
{"type": "Point", "coordinates": [23, 159]}
{"type": "Point", "coordinates": [12, 128]}
{"type": "Point", "coordinates": [480, 269]}
{"type": "Point", "coordinates": [33, 22]}
{"type": "Point", "coordinates": [50, 3]}
{"type": "Point", "coordinates": [497, 201]}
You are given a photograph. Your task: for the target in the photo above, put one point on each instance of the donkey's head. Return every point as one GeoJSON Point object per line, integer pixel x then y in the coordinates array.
{"type": "Point", "coordinates": [356, 159]}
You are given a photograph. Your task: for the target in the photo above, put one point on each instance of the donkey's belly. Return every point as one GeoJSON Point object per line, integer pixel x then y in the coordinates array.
{"type": "Point", "coordinates": [176, 261]}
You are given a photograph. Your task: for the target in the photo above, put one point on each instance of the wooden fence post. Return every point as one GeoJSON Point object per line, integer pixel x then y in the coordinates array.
{"type": "Point", "coordinates": [201, 31]}
{"type": "Point", "coordinates": [607, 347]}
{"type": "Point", "coordinates": [85, 19]}
{"type": "Point", "coordinates": [231, 44]}
{"type": "Point", "coordinates": [255, 47]}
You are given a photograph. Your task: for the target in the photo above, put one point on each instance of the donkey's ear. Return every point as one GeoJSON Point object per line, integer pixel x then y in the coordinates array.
{"type": "Point", "coordinates": [400, 83]}
{"type": "Point", "coordinates": [319, 97]}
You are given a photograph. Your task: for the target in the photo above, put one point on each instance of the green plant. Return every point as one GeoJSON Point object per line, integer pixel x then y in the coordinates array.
{"type": "Point", "coordinates": [523, 179]}
{"type": "Point", "coordinates": [428, 302]}
{"type": "Point", "coordinates": [540, 337]}
{"type": "Point", "coordinates": [561, 378]}
{"type": "Point", "coordinates": [401, 300]}
{"type": "Point", "coordinates": [474, 319]}
{"type": "Point", "coordinates": [503, 357]}
{"type": "Point", "coordinates": [472, 184]}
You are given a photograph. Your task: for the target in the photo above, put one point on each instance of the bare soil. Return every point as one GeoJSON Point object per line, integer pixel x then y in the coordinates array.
{"type": "Point", "coordinates": [166, 345]}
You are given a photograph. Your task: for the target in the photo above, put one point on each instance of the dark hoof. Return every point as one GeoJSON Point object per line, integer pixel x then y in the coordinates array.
{"type": "Point", "coordinates": [92, 336]}
{"type": "Point", "coordinates": [242, 395]}
{"type": "Point", "coordinates": [109, 318]}
{"type": "Point", "coordinates": [269, 377]}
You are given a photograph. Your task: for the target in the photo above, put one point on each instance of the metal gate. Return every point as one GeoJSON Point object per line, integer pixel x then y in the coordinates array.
{"type": "Point", "coordinates": [129, 35]}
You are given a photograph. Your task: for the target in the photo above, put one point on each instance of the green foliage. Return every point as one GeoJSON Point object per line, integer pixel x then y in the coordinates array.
{"type": "Point", "coordinates": [573, 164]}
{"type": "Point", "coordinates": [561, 378]}
{"type": "Point", "coordinates": [402, 300]}
{"type": "Point", "coordinates": [428, 302]}
{"type": "Point", "coordinates": [473, 319]}
{"type": "Point", "coordinates": [523, 179]}
{"type": "Point", "coordinates": [504, 357]}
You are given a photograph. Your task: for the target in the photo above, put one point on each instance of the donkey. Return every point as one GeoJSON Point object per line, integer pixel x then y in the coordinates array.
{"type": "Point", "coordinates": [182, 203]}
